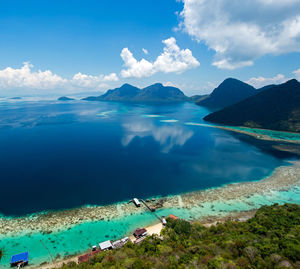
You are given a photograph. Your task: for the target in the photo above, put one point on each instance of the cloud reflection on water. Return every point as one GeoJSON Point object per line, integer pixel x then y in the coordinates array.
{"type": "Point", "coordinates": [168, 136]}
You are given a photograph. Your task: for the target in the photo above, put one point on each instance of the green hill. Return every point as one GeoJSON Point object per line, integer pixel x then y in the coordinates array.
{"type": "Point", "coordinates": [154, 93]}
{"type": "Point", "coordinates": [276, 108]}
{"type": "Point", "coordinates": [229, 92]}
{"type": "Point", "coordinates": [271, 239]}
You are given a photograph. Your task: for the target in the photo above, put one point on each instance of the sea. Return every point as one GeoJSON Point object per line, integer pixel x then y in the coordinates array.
{"type": "Point", "coordinates": [62, 155]}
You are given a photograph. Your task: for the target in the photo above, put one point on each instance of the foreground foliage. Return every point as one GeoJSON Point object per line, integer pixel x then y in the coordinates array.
{"type": "Point", "coordinates": [271, 239]}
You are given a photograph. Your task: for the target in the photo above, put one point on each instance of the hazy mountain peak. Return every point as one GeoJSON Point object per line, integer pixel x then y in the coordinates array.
{"type": "Point", "coordinates": [153, 93]}
{"type": "Point", "coordinates": [126, 85]}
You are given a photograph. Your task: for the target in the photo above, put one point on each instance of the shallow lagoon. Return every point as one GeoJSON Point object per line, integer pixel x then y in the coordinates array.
{"type": "Point", "coordinates": [81, 237]}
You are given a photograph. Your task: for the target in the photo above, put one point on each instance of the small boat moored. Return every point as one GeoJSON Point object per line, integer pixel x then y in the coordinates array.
{"type": "Point", "coordinates": [136, 202]}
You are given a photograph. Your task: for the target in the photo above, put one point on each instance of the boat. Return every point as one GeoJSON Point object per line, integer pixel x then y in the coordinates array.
{"type": "Point", "coordinates": [136, 202]}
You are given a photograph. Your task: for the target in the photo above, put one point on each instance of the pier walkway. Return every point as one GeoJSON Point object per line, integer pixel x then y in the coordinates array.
{"type": "Point", "coordinates": [151, 210]}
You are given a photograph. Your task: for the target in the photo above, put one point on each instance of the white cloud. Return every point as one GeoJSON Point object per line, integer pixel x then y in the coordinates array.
{"type": "Point", "coordinates": [172, 60]}
{"type": "Point", "coordinates": [136, 69]}
{"type": "Point", "coordinates": [145, 51]}
{"type": "Point", "coordinates": [191, 89]}
{"type": "Point", "coordinates": [111, 77]}
{"type": "Point", "coordinates": [297, 73]}
{"type": "Point", "coordinates": [175, 60]}
{"type": "Point", "coordinates": [25, 78]}
{"type": "Point", "coordinates": [241, 31]}
{"type": "Point", "coordinates": [83, 80]}
{"type": "Point", "coordinates": [259, 82]}
{"type": "Point", "coordinates": [170, 84]}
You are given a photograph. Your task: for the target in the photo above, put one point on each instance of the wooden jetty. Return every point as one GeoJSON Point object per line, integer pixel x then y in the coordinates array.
{"type": "Point", "coordinates": [152, 210]}
{"type": "Point", "coordinates": [136, 201]}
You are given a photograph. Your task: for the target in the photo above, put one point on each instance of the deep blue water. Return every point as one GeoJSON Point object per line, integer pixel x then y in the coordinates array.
{"type": "Point", "coordinates": [63, 155]}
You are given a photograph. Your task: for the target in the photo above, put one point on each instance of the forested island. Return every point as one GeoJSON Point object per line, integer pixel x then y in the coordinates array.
{"type": "Point", "coordinates": [156, 93]}
{"type": "Point", "coordinates": [274, 108]}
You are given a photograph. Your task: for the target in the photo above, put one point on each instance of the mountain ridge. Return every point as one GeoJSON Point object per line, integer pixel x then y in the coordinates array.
{"type": "Point", "coordinates": [65, 98]}
{"type": "Point", "coordinates": [230, 91]}
{"type": "Point", "coordinates": [154, 93]}
{"type": "Point", "coordinates": [276, 108]}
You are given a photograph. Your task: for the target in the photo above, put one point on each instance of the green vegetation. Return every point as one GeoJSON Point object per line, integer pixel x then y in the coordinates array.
{"type": "Point", "coordinates": [1, 254]}
{"type": "Point", "coordinates": [275, 108]}
{"type": "Point", "coordinates": [271, 239]}
{"type": "Point", "coordinates": [153, 93]}
{"type": "Point", "coordinates": [229, 92]}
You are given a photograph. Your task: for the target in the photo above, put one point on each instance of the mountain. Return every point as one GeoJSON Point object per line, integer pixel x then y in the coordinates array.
{"type": "Point", "coordinates": [159, 93]}
{"type": "Point", "coordinates": [276, 108]}
{"type": "Point", "coordinates": [229, 92]}
{"type": "Point", "coordinates": [125, 93]}
{"type": "Point", "coordinates": [267, 87]}
{"type": "Point", "coordinates": [198, 98]}
{"type": "Point", "coordinates": [154, 93]}
{"type": "Point", "coordinates": [65, 98]}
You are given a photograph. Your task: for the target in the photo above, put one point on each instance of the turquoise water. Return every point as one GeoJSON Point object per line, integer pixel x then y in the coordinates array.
{"type": "Point", "coordinates": [81, 237]}
{"type": "Point", "coordinates": [270, 133]}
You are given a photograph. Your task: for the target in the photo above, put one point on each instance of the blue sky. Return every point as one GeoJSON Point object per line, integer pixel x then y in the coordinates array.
{"type": "Point", "coordinates": [71, 47]}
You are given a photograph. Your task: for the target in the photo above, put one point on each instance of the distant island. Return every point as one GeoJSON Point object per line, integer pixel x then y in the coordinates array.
{"type": "Point", "coordinates": [65, 98]}
{"type": "Point", "coordinates": [275, 108]}
{"type": "Point", "coordinates": [229, 92]}
{"type": "Point", "coordinates": [236, 103]}
{"type": "Point", "coordinates": [156, 93]}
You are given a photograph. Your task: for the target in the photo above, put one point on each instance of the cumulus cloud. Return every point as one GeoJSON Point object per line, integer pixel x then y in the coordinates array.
{"type": "Point", "coordinates": [26, 78]}
{"type": "Point", "coordinates": [241, 31]}
{"type": "Point", "coordinates": [259, 82]}
{"type": "Point", "coordinates": [297, 73]}
{"type": "Point", "coordinates": [172, 60]}
{"type": "Point", "coordinates": [170, 84]}
{"type": "Point", "coordinates": [191, 89]}
{"type": "Point", "coordinates": [145, 51]}
{"type": "Point", "coordinates": [135, 68]}
{"type": "Point", "coordinates": [90, 81]}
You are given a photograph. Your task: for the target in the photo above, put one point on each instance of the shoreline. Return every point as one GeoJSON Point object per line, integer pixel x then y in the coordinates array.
{"type": "Point", "coordinates": [71, 233]}
{"type": "Point", "coordinates": [151, 229]}
{"type": "Point", "coordinates": [257, 133]}
{"type": "Point", "coordinates": [260, 135]}
{"type": "Point", "coordinates": [282, 178]}
{"type": "Point", "coordinates": [155, 229]}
